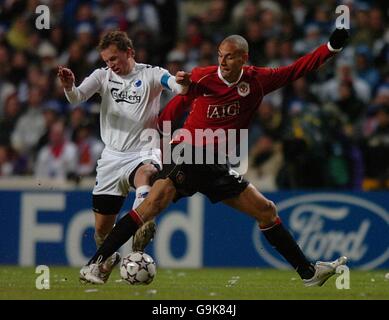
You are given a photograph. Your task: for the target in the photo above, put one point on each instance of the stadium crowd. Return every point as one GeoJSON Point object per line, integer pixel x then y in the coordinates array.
{"type": "Point", "coordinates": [328, 130]}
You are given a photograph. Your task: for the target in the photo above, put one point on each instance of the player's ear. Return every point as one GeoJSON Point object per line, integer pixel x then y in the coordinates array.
{"type": "Point", "coordinates": [130, 52]}
{"type": "Point", "coordinates": [245, 57]}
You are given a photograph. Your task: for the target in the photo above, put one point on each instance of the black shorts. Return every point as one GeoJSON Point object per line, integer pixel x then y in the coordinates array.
{"type": "Point", "coordinates": [217, 181]}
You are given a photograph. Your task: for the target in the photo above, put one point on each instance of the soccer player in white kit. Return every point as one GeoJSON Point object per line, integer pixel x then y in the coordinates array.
{"type": "Point", "coordinates": [130, 94]}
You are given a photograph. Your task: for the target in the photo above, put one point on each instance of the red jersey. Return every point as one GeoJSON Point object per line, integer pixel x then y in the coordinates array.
{"type": "Point", "coordinates": [216, 104]}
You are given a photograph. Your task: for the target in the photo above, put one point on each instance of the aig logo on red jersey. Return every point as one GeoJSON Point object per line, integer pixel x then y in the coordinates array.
{"type": "Point", "coordinates": [221, 111]}
{"type": "Point", "coordinates": [243, 89]}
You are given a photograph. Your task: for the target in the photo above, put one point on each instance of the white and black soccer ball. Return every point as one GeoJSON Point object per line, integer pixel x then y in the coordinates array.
{"type": "Point", "coordinates": [138, 268]}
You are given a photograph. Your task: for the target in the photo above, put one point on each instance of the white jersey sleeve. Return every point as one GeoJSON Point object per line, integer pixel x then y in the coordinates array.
{"type": "Point", "coordinates": [167, 81]}
{"type": "Point", "coordinates": [87, 88]}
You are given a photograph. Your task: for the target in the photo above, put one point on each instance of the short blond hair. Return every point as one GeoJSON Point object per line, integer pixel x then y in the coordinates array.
{"type": "Point", "coordinates": [118, 38]}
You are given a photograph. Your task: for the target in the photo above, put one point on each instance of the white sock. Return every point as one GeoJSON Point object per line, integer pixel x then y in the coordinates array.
{"type": "Point", "coordinates": [140, 194]}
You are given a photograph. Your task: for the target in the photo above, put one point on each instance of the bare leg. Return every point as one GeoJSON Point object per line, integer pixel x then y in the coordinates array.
{"type": "Point", "coordinates": [253, 203]}
{"type": "Point", "coordinates": [160, 196]}
{"type": "Point", "coordinates": [103, 226]}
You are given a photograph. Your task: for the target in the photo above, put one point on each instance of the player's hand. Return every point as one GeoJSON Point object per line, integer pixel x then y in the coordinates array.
{"type": "Point", "coordinates": [183, 78]}
{"type": "Point", "coordinates": [338, 38]}
{"type": "Point", "coordinates": [66, 76]}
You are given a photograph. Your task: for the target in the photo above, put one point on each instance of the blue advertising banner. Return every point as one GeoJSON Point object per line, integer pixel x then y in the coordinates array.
{"type": "Point", "coordinates": [57, 228]}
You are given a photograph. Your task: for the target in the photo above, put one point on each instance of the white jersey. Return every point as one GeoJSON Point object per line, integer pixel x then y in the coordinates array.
{"type": "Point", "coordinates": [129, 103]}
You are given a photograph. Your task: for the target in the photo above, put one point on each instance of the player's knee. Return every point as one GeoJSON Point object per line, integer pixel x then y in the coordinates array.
{"type": "Point", "coordinates": [268, 212]}
{"type": "Point", "coordinates": [144, 174]}
{"type": "Point", "coordinates": [148, 170]}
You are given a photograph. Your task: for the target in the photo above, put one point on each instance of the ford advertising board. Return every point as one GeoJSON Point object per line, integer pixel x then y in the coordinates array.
{"type": "Point", "coordinates": [56, 228]}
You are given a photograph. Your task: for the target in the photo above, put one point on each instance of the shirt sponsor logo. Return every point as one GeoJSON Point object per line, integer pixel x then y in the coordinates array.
{"type": "Point", "coordinates": [222, 111]}
{"type": "Point", "coordinates": [125, 96]}
{"type": "Point", "coordinates": [327, 226]}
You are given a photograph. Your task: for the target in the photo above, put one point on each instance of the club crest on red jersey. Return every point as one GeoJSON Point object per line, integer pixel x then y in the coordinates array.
{"type": "Point", "coordinates": [243, 89]}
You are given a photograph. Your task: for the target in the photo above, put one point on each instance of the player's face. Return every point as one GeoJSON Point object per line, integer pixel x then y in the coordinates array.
{"type": "Point", "coordinates": [231, 61]}
{"type": "Point", "coordinates": [117, 60]}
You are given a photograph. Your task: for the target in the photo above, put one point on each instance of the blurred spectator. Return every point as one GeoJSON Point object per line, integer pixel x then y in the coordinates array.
{"type": "Point", "coordinates": [47, 53]}
{"type": "Point", "coordinates": [270, 19]}
{"type": "Point", "coordinates": [265, 161]}
{"type": "Point", "coordinates": [75, 59]}
{"type": "Point", "coordinates": [312, 39]}
{"type": "Point", "coordinates": [244, 12]}
{"type": "Point", "coordinates": [6, 87]}
{"type": "Point", "coordinates": [376, 152]}
{"type": "Point", "coordinates": [114, 17]}
{"type": "Point", "coordinates": [78, 116]}
{"type": "Point", "coordinates": [168, 15]}
{"type": "Point", "coordinates": [175, 63]}
{"type": "Point", "coordinates": [344, 73]}
{"type": "Point", "coordinates": [86, 39]}
{"type": "Point", "coordinates": [59, 158]}
{"type": "Point", "coordinates": [31, 125]}
{"type": "Point", "coordinates": [18, 33]}
{"type": "Point", "coordinates": [216, 20]}
{"type": "Point", "coordinates": [143, 13]}
{"type": "Point", "coordinates": [303, 139]}
{"type": "Point", "coordinates": [58, 38]}
{"type": "Point", "coordinates": [254, 36]}
{"type": "Point", "coordinates": [89, 150]}
{"type": "Point", "coordinates": [351, 108]}
{"type": "Point", "coordinates": [364, 66]}
{"type": "Point", "coordinates": [51, 111]}
{"type": "Point", "coordinates": [6, 166]}
{"type": "Point", "coordinates": [362, 29]}
{"type": "Point", "coordinates": [12, 111]}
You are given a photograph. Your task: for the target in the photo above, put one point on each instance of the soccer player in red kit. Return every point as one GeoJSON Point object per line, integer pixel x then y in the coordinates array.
{"type": "Point", "coordinates": [220, 98]}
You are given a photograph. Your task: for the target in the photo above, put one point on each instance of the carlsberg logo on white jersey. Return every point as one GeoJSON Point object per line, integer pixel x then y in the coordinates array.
{"type": "Point", "coordinates": [327, 226]}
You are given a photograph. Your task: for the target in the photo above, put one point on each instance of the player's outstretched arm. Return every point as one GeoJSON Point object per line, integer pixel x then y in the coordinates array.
{"type": "Point", "coordinates": [275, 78]}
{"type": "Point", "coordinates": [89, 86]}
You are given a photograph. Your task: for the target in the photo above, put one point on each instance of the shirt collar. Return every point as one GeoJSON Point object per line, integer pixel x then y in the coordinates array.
{"type": "Point", "coordinates": [230, 84]}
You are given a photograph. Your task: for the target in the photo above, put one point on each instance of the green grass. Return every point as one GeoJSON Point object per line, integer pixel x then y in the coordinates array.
{"type": "Point", "coordinates": [192, 284]}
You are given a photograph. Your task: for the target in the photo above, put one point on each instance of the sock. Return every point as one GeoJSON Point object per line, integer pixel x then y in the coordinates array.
{"type": "Point", "coordinates": [283, 242]}
{"type": "Point", "coordinates": [140, 194]}
{"type": "Point", "coordinates": [123, 230]}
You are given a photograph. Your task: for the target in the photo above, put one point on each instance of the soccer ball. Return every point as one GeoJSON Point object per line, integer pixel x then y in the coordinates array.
{"type": "Point", "coordinates": [138, 268]}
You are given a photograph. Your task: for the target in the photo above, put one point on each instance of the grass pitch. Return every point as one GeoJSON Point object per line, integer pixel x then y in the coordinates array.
{"type": "Point", "coordinates": [192, 284]}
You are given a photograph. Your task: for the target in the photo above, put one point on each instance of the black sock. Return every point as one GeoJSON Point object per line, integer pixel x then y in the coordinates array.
{"type": "Point", "coordinates": [123, 230]}
{"type": "Point", "coordinates": [283, 242]}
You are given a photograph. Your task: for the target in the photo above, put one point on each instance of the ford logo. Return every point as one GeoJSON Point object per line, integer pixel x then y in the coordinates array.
{"type": "Point", "coordinates": [327, 226]}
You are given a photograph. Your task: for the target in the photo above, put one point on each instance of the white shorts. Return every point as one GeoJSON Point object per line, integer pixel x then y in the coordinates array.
{"type": "Point", "coordinates": [114, 169]}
